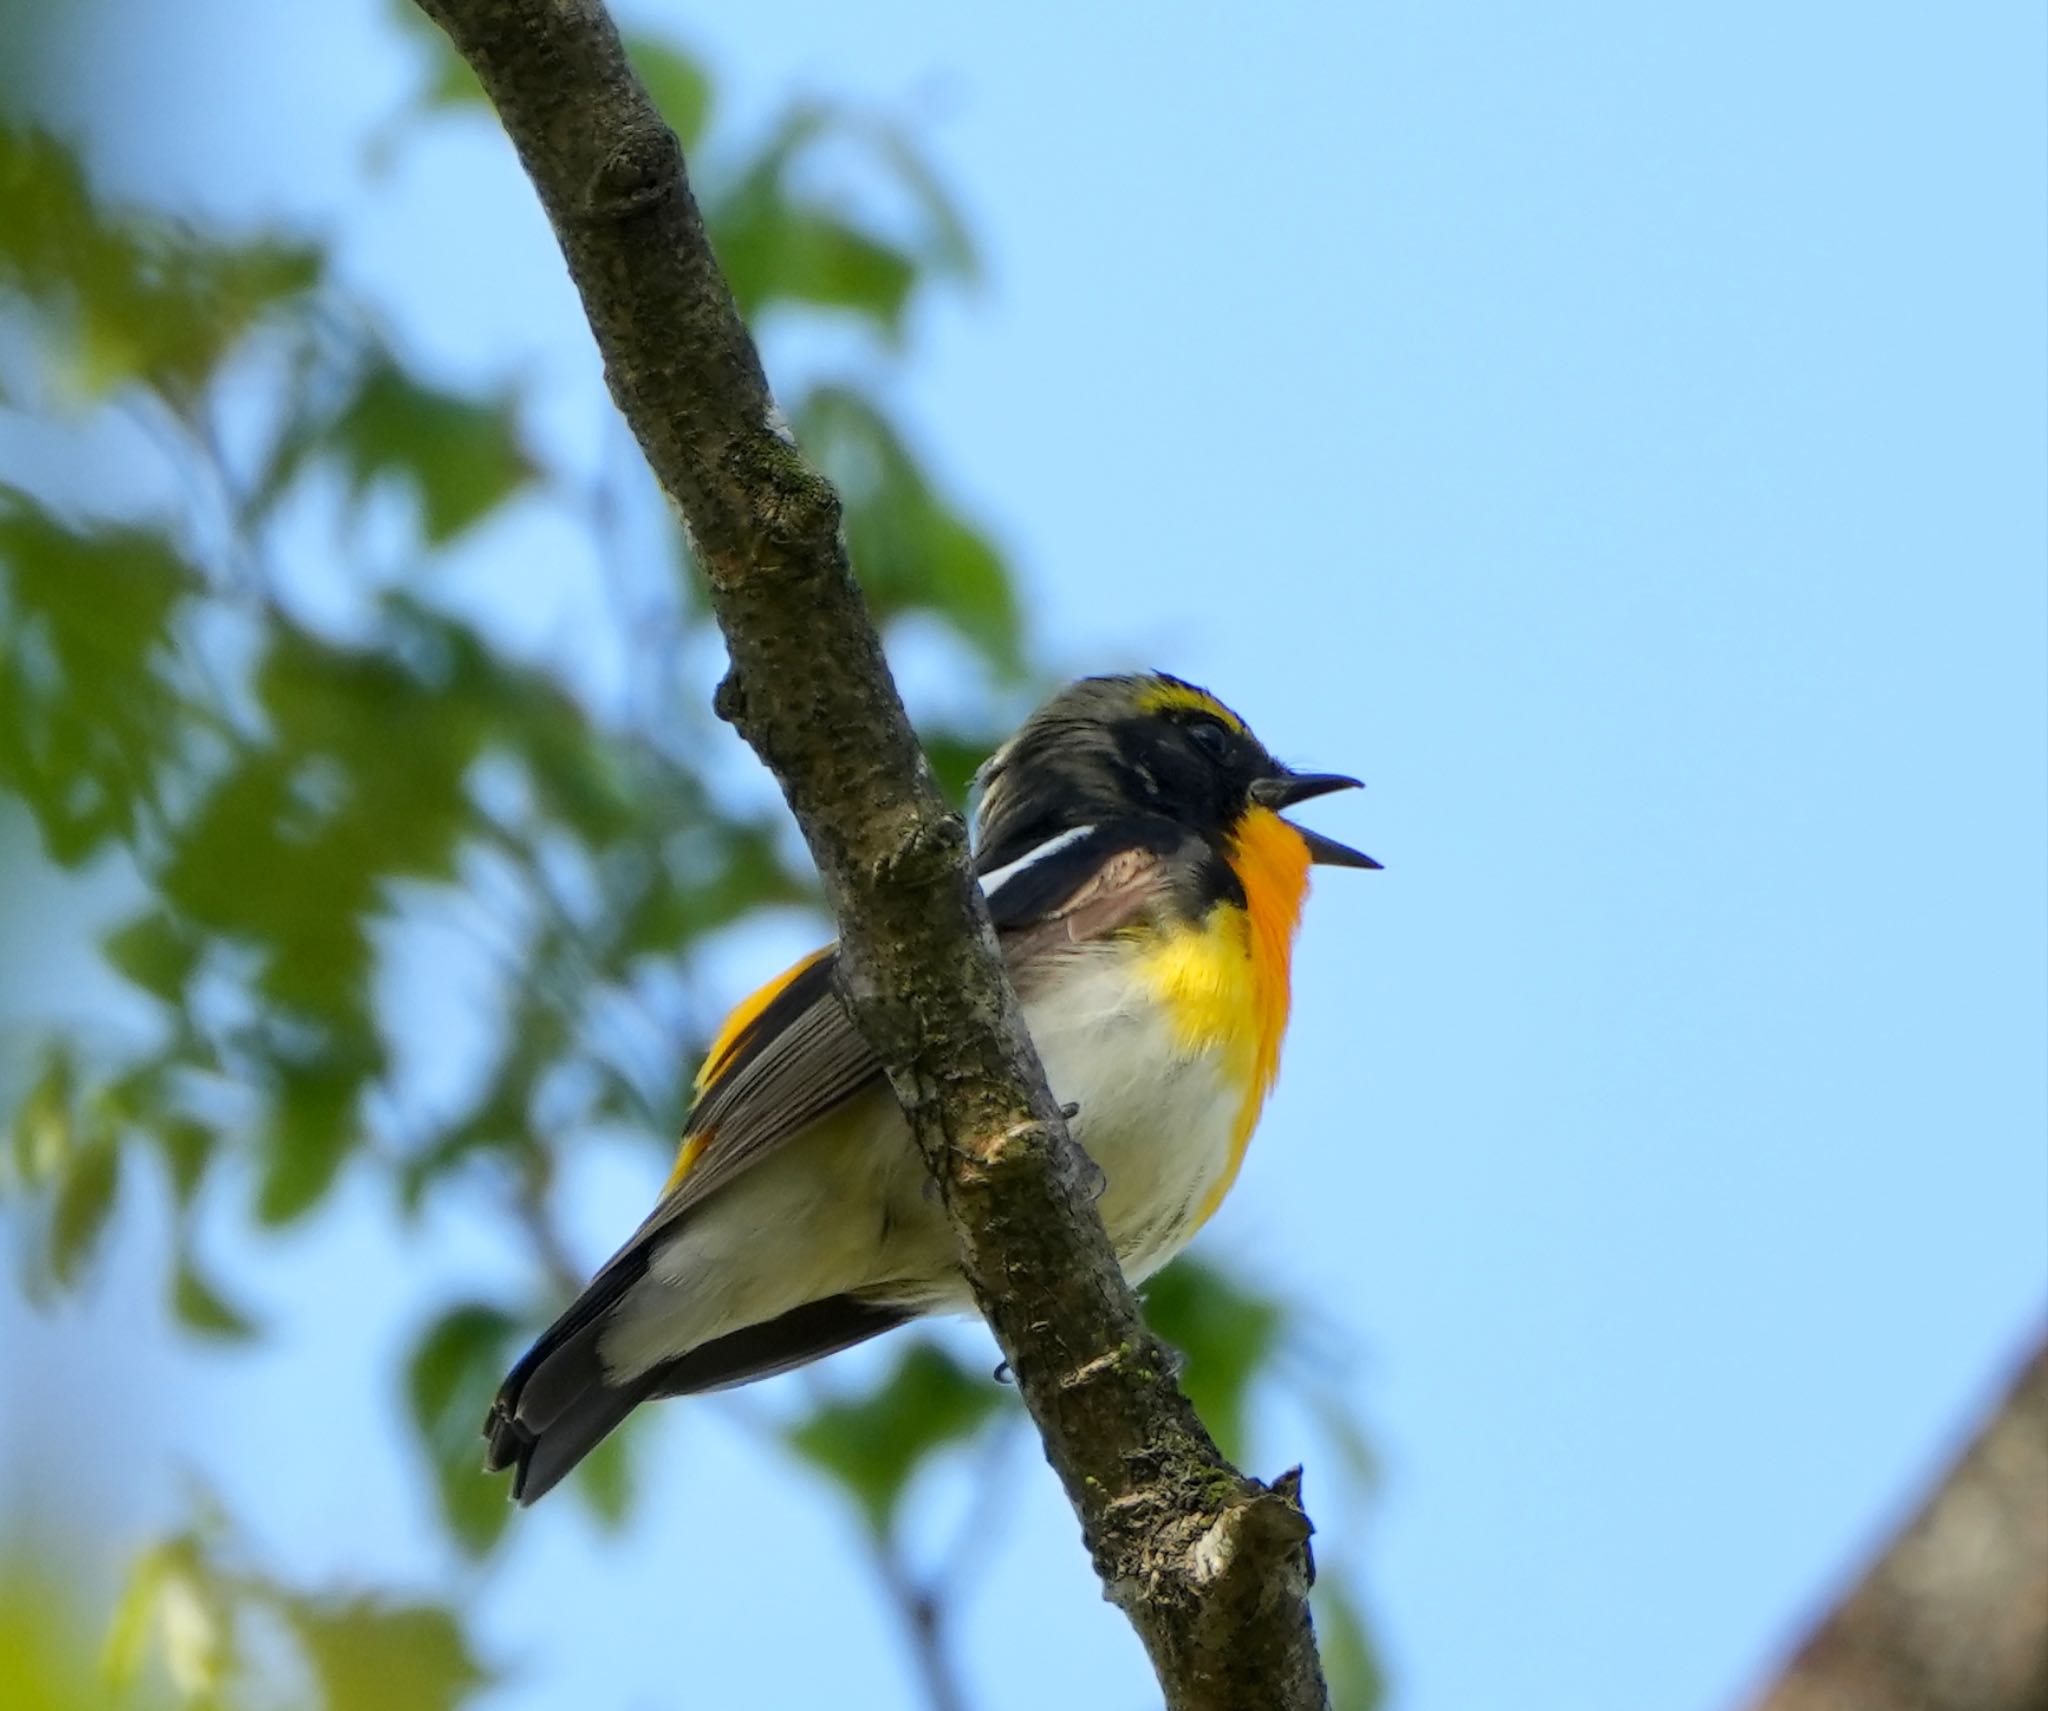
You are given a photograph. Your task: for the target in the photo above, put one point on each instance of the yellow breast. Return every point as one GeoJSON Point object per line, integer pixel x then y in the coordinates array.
{"type": "Point", "coordinates": [1225, 983]}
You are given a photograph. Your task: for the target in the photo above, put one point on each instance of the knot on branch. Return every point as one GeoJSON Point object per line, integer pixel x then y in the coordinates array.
{"type": "Point", "coordinates": [1256, 1538]}
{"type": "Point", "coordinates": [643, 169]}
{"type": "Point", "coordinates": [797, 512]}
{"type": "Point", "coordinates": [729, 700]}
{"type": "Point", "coordinates": [925, 850]}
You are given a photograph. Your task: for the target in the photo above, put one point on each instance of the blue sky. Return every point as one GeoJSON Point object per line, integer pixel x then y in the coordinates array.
{"type": "Point", "coordinates": [1616, 432]}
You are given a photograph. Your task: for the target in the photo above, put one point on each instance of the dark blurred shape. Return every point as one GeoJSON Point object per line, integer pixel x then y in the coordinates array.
{"type": "Point", "coordinates": [1954, 1615]}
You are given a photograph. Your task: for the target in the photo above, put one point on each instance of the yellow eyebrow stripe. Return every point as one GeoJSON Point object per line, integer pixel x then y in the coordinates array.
{"type": "Point", "coordinates": [746, 1014]}
{"type": "Point", "coordinates": [1163, 695]}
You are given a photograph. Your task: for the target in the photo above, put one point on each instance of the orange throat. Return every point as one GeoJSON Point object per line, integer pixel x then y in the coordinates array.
{"type": "Point", "coordinates": [1271, 862]}
{"type": "Point", "coordinates": [1225, 982]}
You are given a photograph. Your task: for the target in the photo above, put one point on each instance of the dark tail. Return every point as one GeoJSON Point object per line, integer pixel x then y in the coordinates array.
{"type": "Point", "coordinates": [557, 1404]}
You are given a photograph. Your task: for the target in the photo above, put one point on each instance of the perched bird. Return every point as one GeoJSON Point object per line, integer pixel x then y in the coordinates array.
{"type": "Point", "coordinates": [1146, 892]}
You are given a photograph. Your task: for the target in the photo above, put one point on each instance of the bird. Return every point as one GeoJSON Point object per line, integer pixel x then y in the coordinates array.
{"type": "Point", "coordinates": [1146, 892]}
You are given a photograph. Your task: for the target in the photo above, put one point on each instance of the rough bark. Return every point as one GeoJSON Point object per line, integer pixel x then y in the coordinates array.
{"type": "Point", "coordinates": [1212, 1568]}
{"type": "Point", "coordinates": [1954, 1615]}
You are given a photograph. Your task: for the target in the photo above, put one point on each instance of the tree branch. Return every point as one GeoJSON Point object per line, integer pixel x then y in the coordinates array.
{"type": "Point", "coordinates": [1212, 1568]}
{"type": "Point", "coordinates": [1954, 1615]}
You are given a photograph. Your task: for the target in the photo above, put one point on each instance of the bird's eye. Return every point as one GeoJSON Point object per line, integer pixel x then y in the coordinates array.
{"type": "Point", "coordinates": [1211, 738]}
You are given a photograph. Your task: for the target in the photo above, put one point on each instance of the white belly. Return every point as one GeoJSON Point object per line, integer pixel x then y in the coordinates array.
{"type": "Point", "coordinates": [1157, 1123]}
{"type": "Point", "coordinates": [848, 1208]}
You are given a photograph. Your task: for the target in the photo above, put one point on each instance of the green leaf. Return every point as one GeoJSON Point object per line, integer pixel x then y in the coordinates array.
{"type": "Point", "coordinates": [1350, 1661]}
{"type": "Point", "coordinates": [214, 296]}
{"type": "Point", "coordinates": [85, 1201]}
{"type": "Point", "coordinates": [188, 1148]}
{"type": "Point", "coordinates": [458, 1350]}
{"type": "Point", "coordinates": [201, 1307]}
{"type": "Point", "coordinates": [461, 456]}
{"type": "Point", "coordinates": [1354, 1456]}
{"type": "Point", "coordinates": [155, 953]}
{"type": "Point", "coordinates": [873, 1447]}
{"type": "Point", "coordinates": [497, 1121]}
{"type": "Point", "coordinates": [718, 873]}
{"type": "Point", "coordinates": [970, 587]}
{"type": "Point", "coordinates": [88, 724]}
{"type": "Point", "coordinates": [956, 755]}
{"type": "Point", "coordinates": [105, 595]}
{"type": "Point", "coordinates": [312, 1126]}
{"type": "Point", "coordinates": [229, 867]}
{"type": "Point", "coordinates": [174, 1594]}
{"type": "Point", "coordinates": [135, 1613]}
{"type": "Point", "coordinates": [780, 242]}
{"type": "Point", "coordinates": [267, 861]}
{"type": "Point", "coordinates": [453, 83]}
{"type": "Point", "coordinates": [125, 297]}
{"type": "Point", "coordinates": [380, 738]}
{"type": "Point", "coordinates": [947, 246]}
{"type": "Point", "coordinates": [45, 1662]}
{"type": "Point", "coordinates": [604, 1479]}
{"type": "Point", "coordinates": [1226, 1334]}
{"type": "Point", "coordinates": [677, 84]}
{"type": "Point", "coordinates": [368, 1655]}
{"type": "Point", "coordinates": [42, 1123]}
{"type": "Point", "coordinates": [450, 1377]}
{"type": "Point", "coordinates": [775, 253]}
{"type": "Point", "coordinates": [914, 553]}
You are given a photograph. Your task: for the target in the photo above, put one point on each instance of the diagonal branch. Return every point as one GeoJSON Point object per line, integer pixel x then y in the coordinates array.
{"type": "Point", "coordinates": [1211, 1567]}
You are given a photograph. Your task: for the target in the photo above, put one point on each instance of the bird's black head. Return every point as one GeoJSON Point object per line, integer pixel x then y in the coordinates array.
{"type": "Point", "coordinates": [1145, 746]}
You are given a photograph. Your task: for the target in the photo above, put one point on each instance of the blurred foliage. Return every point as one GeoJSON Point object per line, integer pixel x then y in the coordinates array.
{"type": "Point", "coordinates": [1350, 1664]}
{"type": "Point", "coordinates": [461, 1356]}
{"type": "Point", "coordinates": [195, 1622]}
{"type": "Point", "coordinates": [295, 794]}
{"type": "Point", "coordinates": [873, 1445]}
{"type": "Point", "coordinates": [46, 1650]}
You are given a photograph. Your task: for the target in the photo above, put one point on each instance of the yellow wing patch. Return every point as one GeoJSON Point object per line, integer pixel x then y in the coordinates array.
{"type": "Point", "coordinates": [1226, 982]}
{"type": "Point", "coordinates": [686, 1160]}
{"type": "Point", "coordinates": [1164, 694]}
{"type": "Point", "coordinates": [744, 1015]}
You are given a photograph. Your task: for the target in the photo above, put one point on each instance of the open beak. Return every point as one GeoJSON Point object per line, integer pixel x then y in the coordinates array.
{"type": "Point", "coordinates": [1285, 789]}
